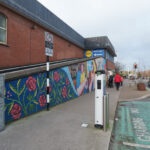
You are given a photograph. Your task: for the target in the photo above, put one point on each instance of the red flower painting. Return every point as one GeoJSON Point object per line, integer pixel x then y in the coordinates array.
{"type": "Point", "coordinates": [50, 88]}
{"type": "Point", "coordinates": [67, 81]}
{"type": "Point", "coordinates": [31, 84]}
{"type": "Point", "coordinates": [56, 76]}
{"type": "Point", "coordinates": [16, 111]}
{"type": "Point", "coordinates": [42, 100]}
{"type": "Point", "coordinates": [64, 92]}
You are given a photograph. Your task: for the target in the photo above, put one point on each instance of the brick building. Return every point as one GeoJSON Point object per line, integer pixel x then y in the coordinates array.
{"type": "Point", "coordinates": [23, 24]}
{"type": "Point", "coordinates": [101, 46]}
{"type": "Point", "coordinates": [22, 27]}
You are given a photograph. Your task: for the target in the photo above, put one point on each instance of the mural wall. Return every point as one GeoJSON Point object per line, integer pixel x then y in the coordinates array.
{"type": "Point", "coordinates": [28, 95]}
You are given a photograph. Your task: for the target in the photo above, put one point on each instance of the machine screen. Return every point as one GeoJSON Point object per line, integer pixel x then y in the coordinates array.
{"type": "Point", "coordinates": [98, 84]}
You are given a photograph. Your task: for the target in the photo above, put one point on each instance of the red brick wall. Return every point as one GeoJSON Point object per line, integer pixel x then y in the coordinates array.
{"type": "Point", "coordinates": [110, 65]}
{"type": "Point", "coordinates": [27, 45]}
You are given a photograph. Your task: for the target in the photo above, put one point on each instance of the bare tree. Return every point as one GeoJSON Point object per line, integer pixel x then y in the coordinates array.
{"type": "Point", "coordinates": [118, 67]}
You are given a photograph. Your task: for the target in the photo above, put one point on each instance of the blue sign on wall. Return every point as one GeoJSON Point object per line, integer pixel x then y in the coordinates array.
{"type": "Point", "coordinates": [94, 53]}
{"type": "Point", "coordinates": [98, 53]}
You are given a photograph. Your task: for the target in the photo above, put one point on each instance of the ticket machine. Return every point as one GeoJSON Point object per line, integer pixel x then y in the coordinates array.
{"type": "Point", "coordinates": [99, 98]}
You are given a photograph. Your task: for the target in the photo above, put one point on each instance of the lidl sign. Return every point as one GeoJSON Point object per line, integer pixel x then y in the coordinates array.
{"type": "Point", "coordinates": [93, 53]}
{"type": "Point", "coordinates": [88, 53]}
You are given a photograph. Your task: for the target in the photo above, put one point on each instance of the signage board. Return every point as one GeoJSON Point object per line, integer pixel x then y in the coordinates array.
{"type": "Point", "coordinates": [94, 53]}
{"type": "Point", "coordinates": [98, 53]}
{"type": "Point", "coordinates": [48, 44]}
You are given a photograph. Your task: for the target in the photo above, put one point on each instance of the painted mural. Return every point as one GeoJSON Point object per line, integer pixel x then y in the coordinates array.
{"type": "Point", "coordinates": [28, 95]}
{"type": "Point", "coordinates": [101, 63]}
{"type": "Point", "coordinates": [83, 76]}
{"type": "Point", "coordinates": [91, 65]}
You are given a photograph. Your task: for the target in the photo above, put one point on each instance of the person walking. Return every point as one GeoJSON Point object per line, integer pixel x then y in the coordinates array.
{"type": "Point", "coordinates": [117, 80]}
{"type": "Point", "coordinates": [121, 81]}
{"type": "Point", "coordinates": [110, 81]}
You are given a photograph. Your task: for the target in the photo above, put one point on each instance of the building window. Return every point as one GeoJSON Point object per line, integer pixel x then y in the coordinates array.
{"type": "Point", "coordinates": [3, 29]}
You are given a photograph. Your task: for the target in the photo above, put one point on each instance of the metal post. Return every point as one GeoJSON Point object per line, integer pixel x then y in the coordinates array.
{"type": "Point", "coordinates": [48, 52]}
{"type": "Point", "coordinates": [107, 110]}
{"type": "Point", "coordinates": [47, 72]}
{"type": "Point", "coordinates": [104, 114]}
{"type": "Point", "coordinates": [2, 103]}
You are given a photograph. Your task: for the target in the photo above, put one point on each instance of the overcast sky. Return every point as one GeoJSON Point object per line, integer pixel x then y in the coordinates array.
{"type": "Point", "coordinates": [125, 22]}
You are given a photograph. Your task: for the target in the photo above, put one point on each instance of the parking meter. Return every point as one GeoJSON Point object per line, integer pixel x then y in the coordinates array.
{"type": "Point", "coordinates": [99, 97]}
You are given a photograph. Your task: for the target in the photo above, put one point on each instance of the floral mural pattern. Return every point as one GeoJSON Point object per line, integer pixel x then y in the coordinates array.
{"type": "Point", "coordinates": [28, 95]}
{"type": "Point", "coordinates": [24, 96]}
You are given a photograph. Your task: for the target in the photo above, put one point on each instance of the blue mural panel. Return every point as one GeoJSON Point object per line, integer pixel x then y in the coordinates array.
{"type": "Point", "coordinates": [25, 96]}
{"type": "Point", "coordinates": [61, 89]}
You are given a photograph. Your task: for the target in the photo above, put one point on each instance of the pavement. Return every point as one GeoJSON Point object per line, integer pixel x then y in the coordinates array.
{"type": "Point", "coordinates": [61, 127]}
{"type": "Point", "coordinates": [131, 129]}
{"type": "Point", "coordinates": [129, 92]}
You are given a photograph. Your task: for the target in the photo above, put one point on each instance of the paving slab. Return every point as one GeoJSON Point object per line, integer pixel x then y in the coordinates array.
{"type": "Point", "coordinates": [129, 92]}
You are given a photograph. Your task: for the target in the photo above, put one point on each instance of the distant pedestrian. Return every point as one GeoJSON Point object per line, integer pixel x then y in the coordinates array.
{"type": "Point", "coordinates": [110, 83]}
{"type": "Point", "coordinates": [117, 80]}
{"type": "Point", "coordinates": [121, 81]}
